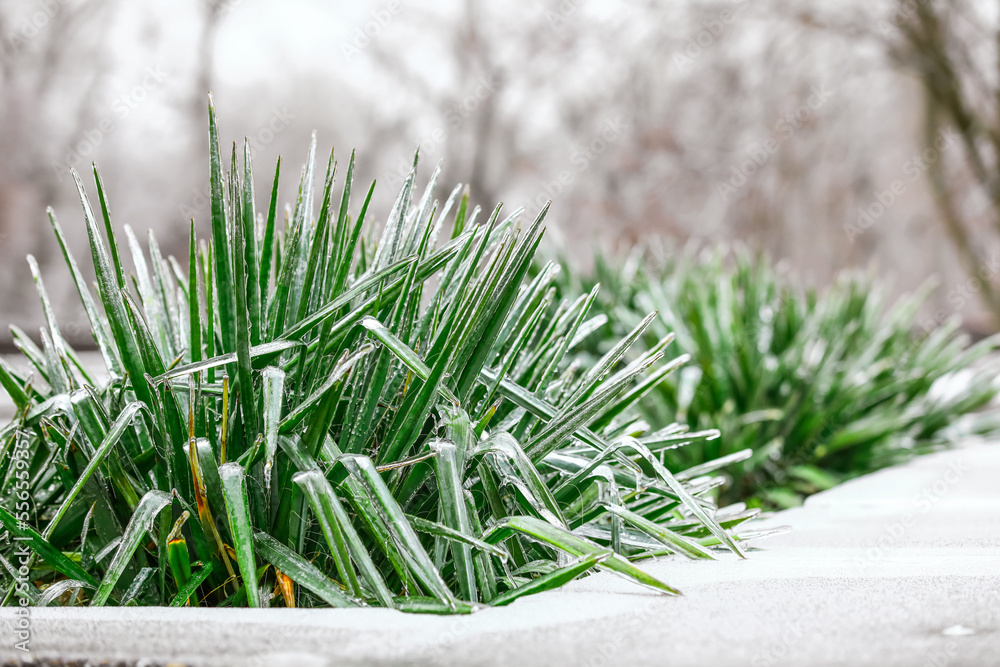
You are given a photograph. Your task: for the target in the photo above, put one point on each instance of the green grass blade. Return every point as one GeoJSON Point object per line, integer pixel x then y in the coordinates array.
{"type": "Point", "coordinates": [455, 513]}
{"type": "Point", "coordinates": [192, 585]}
{"type": "Point", "coordinates": [274, 383]}
{"type": "Point", "coordinates": [364, 285]}
{"type": "Point", "coordinates": [573, 417]}
{"type": "Point", "coordinates": [242, 286]}
{"type": "Point", "coordinates": [555, 579]}
{"type": "Point", "coordinates": [27, 535]}
{"type": "Point", "coordinates": [267, 246]}
{"type": "Point", "coordinates": [13, 387]}
{"type": "Point", "coordinates": [112, 438]}
{"type": "Point", "coordinates": [335, 525]}
{"type": "Point", "coordinates": [221, 245]}
{"type": "Point", "coordinates": [362, 469]}
{"type": "Point", "coordinates": [97, 327]}
{"type": "Point", "coordinates": [251, 258]}
{"type": "Point", "coordinates": [238, 510]}
{"type": "Point", "coordinates": [109, 228]}
{"type": "Point", "coordinates": [114, 305]}
{"type": "Point", "coordinates": [194, 300]}
{"type": "Point", "coordinates": [669, 538]}
{"type": "Point", "coordinates": [141, 522]}
{"type": "Point", "coordinates": [575, 546]}
{"type": "Point", "coordinates": [301, 571]}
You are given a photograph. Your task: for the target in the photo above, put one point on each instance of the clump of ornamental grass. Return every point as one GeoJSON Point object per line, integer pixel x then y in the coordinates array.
{"type": "Point", "coordinates": [820, 386]}
{"type": "Point", "coordinates": [312, 414]}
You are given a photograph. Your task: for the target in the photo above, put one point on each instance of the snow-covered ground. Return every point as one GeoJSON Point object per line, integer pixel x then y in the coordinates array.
{"type": "Point", "coordinates": [895, 568]}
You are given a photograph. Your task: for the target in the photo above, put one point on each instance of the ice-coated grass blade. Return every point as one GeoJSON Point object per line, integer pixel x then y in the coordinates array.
{"type": "Point", "coordinates": [301, 571]}
{"type": "Point", "coordinates": [196, 580]}
{"type": "Point", "coordinates": [262, 350]}
{"type": "Point", "coordinates": [114, 304]}
{"type": "Point", "coordinates": [139, 585]}
{"type": "Point", "coordinates": [504, 445]}
{"type": "Point", "coordinates": [344, 542]}
{"type": "Point", "coordinates": [446, 465]}
{"type": "Point", "coordinates": [221, 243]}
{"type": "Point", "coordinates": [572, 417]}
{"type": "Point", "coordinates": [554, 579]}
{"type": "Point", "coordinates": [308, 405]}
{"type": "Point", "coordinates": [669, 538]}
{"type": "Point", "coordinates": [148, 294]}
{"type": "Point", "coordinates": [274, 383]}
{"type": "Point", "coordinates": [123, 421]}
{"type": "Point", "coordinates": [440, 530]}
{"type": "Point", "coordinates": [716, 464]}
{"type": "Point", "coordinates": [141, 522]}
{"type": "Point", "coordinates": [405, 354]}
{"type": "Point", "coordinates": [573, 545]}
{"type": "Point", "coordinates": [362, 468]}
{"type": "Point", "coordinates": [686, 498]}
{"type": "Point", "coordinates": [60, 588]}
{"type": "Point", "coordinates": [247, 245]}
{"type": "Point", "coordinates": [59, 347]}
{"type": "Point", "coordinates": [194, 300]}
{"type": "Point", "coordinates": [27, 535]}
{"type": "Point", "coordinates": [243, 285]}
{"type": "Point", "coordinates": [238, 510]}
{"type": "Point", "coordinates": [97, 326]}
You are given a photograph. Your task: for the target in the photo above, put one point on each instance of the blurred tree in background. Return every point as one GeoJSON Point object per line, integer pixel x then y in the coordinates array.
{"type": "Point", "coordinates": [793, 125]}
{"type": "Point", "coordinates": [952, 47]}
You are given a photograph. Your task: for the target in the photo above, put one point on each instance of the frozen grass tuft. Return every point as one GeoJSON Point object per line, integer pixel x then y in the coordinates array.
{"type": "Point", "coordinates": [303, 412]}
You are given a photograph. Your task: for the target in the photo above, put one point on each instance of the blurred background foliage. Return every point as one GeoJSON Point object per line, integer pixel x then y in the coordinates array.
{"type": "Point", "coordinates": [822, 385]}
{"type": "Point", "coordinates": [831, 135]}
